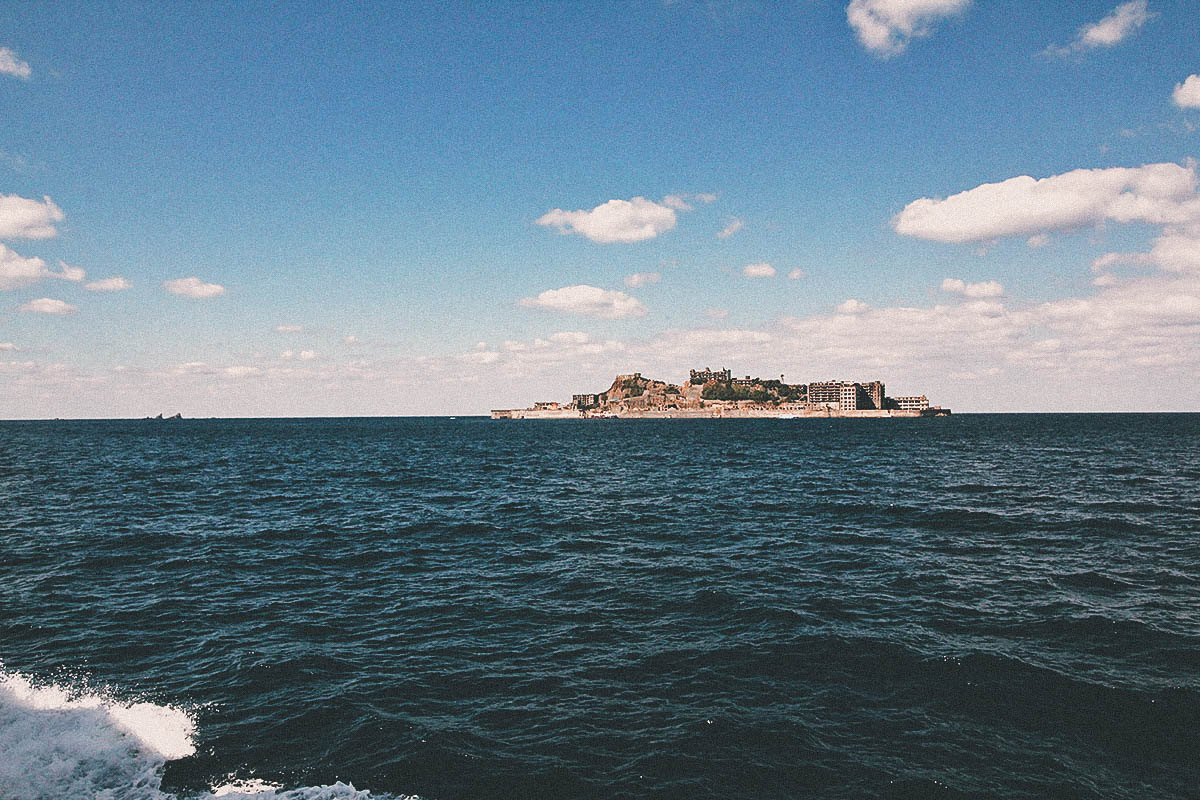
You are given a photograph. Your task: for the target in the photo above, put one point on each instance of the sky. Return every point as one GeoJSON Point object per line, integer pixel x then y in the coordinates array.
{"type": "Point", "coordinates": [251, 209]}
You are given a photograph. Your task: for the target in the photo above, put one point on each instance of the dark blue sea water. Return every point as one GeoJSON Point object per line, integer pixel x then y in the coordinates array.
{"type": "Point", "coordinates": [979, 606]}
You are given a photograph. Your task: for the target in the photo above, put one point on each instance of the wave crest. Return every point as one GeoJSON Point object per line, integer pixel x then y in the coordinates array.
{"type": "Point", "coordinates": [58, 742]}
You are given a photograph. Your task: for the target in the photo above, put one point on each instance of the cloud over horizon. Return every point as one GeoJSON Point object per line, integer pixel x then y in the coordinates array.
{"type": "Point", "coordinates": [114, 284]}
{"type": "Point", "coordinates": [193, 287]}
{"type": "Point", "coordinates": [587, 300]}
{"type": "Point", "coordinates": [617, 221]}
{"type": "Point", "coordinates": [47, 305]}
{"type": "Point", "coordinates": [760, 270]}
{"type": "Point", "coordinates": [1156, 194]}
{"type": "Point", "coordinates": [983, 289]}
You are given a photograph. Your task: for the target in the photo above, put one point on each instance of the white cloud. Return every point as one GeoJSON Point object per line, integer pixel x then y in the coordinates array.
{"type": "Point", "coordinates": [682, 202]}
{"type": "Point", "coordinates": [22, 218]}
{"type": "Point", "coordinates": [46, 305]}
{"type": "Point", "coordinates": [69, 273]}
{"type": "Point", "coordinates": [760, 270]}
{"type": "Point", "coordinates": [796, 274]}
{"type": "Point", "coordinates": [1187, 94]}
{"type": "Point", "coordinates": [1122, 22]}
{"type": "Point", "coordinates": [984, 289]}
{"type": "Point", "coordinates": [639, 279]}
{"type": "Point", "coordinates": [885, 27]}
{"type": "Point", "coordinates": [733, 227]}
{"type": "Point", "coordinates": [114, 284]}
{"type": "Point", "coordinates": [1174, 251]}
{"type": "Point", "coordinates": [588, 300]}
{"type": "Point", "coordinates": [7, 346]}
{"type": "Point", "coordinates": [853, 306]}
{"type": "Point", "coordinates": [677, 202]}
{"type": "Point", "coordinates": [10, 64]}
{"type": "Point", "coordinates": [17, 270]}
{"type": "Point", "coordinates": [480, 357]}
{"type": "Point", "coordinates": [289, 328]}
{"type": "Point", "coordinates": [1038, 241]}
{"type": "Point", "coordinates": [569, 337]}
{"type": "Point", "coordinates": [306, 355]}
{"type": "Point", "coordinates": [193, 287]}
{"type": "Point", "coordinates": [716, 313]}
{"type": "Point", "coordinates": [615, 221]}
{"type": "Point", "coordinates": [1158, 194]}
{"type": "Point", "coordinates": [351, 339]}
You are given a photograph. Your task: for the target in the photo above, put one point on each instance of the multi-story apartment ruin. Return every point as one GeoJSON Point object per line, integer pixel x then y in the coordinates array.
{"type": "Point", "coordinates": [705, 375]}
{"type": "Point", "coordinates": [847, 395]}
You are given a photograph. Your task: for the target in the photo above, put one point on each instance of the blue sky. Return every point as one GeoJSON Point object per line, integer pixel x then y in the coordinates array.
{"type": "Point", "coordinates": [434, 208]}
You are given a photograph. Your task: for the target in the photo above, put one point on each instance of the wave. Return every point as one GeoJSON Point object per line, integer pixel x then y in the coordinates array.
{"type": "Point", "coordinates": [58, 742]}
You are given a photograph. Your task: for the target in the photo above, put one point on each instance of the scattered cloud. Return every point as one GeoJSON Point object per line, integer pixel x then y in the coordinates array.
{"type": "Point", "coordinates": [760, 270]}
{"type": "Point", "coordinates": [885, 27]}
{"type": "Point", "coordinates": [1187, 94]}
{"type": "Point", "coordinates": [587, 300]}
{"type": "Point", "coordinates": [853, 306]}
{"type": "Point", "coordinates": [796, 274]}
{"type": "Point", "coordinates": [69, 273]}
{"type": "Point", "coordinates": [22, 218]}
{"type": "Point", "coordinates": [716, 313]}
{"type": "Point", "coordinates": [7, 346]}
{"type": "Point", "coordinates": [46, 305]}
{"type": "Point", "coordinates": [1157, 194]}
{"type": "Point", "coordinates": [10, 64]}
{"type": "Point", "coordinates": [289, 328]}
{"type": "Point", "coordinates": [351, 339]}
{"type": "Point", "coordinates": [615, 221]}
{"type": "Point", "coordinates": [17, 270]}
{"type": "Point", "coordinates": [1038, 241]}
{"type": "Point", "coordinates": [193, 287]}
{"type": "Point", "coordinates": [682, 202]}
{"type": "Point", "coordinates": [302, 355]}
{"type": "Point", "coordinates": [984, 289]}
{"type": "Point", "coordinates": [114, 284]}
{"type": "Point", "coordinates": [730, 229]}
{"type": "Point", "coordinates": [1121, 23]}
{"type": "Point", "coordinates": [1173, 251]}
{"type": "Point", "coordinates": [569, 337]}
{"type": "Point", "coordinates": [639, 279]}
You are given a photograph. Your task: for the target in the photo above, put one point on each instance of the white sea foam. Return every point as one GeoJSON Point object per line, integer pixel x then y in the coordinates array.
{"type": "Point", "coordinates": [89, 745]}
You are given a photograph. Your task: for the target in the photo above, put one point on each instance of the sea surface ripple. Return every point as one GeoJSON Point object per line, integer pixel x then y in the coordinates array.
{"type": "Point", "coordinates": [980, 606]}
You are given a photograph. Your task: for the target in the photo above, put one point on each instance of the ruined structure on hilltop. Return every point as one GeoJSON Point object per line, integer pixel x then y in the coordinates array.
{"type": "Point", "coordinates": [715, 393]}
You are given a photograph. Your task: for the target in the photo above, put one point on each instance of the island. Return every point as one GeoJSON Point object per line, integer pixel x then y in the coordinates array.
{"type": "Point", "coordinates": [717, 394]}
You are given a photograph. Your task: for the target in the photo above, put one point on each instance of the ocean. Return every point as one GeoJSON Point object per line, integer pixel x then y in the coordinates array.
{"type": "Point", "coordinates": [1000, 606]}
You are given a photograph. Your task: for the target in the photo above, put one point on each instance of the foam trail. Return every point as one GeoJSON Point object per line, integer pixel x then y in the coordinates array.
{"type": "Point", "coordinates": [56, 743]}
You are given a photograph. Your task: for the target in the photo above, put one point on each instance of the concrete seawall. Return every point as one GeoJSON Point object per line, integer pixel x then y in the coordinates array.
{"type": "Point", "coordinates": [718, 413]}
